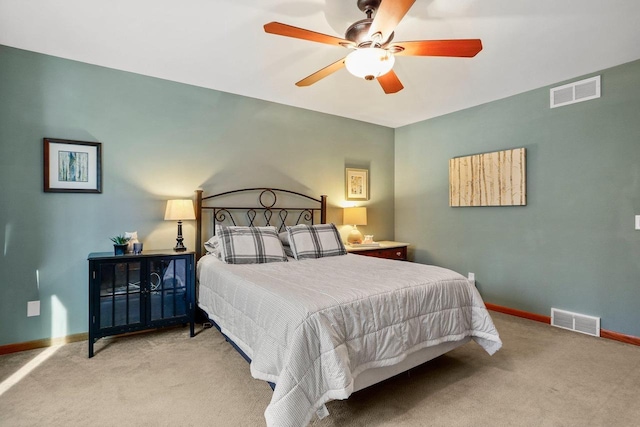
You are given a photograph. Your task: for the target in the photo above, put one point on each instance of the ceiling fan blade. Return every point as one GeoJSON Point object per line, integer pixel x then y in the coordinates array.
{"type": "Point", "coordinates": [300, 33]}
{"type": "Point", "coordinates": [390, 82]}
{"type": "Point", "coordinates": [459, 48]}
{"type": "Point", "coordinates": [321, 74]}
{"type": "Point", "coordinates": [388, 16]}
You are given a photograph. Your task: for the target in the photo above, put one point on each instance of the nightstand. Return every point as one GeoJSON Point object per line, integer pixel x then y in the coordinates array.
{"type": "Point", "coordinates": [387, 249]}
{"type": "Point", "coordinates": [129, 293]}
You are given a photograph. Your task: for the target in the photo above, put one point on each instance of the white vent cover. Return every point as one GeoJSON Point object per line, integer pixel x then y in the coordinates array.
{"type": "Point", "coordinates": [575, 322]}
{"type": "Point", "coordinates": [579, 91]}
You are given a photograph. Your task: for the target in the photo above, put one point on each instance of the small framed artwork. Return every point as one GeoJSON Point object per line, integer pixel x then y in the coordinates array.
{"type": "Point", "coordinates": [72, 166]}
{"type": "Point", "coordinates": [357, 184]}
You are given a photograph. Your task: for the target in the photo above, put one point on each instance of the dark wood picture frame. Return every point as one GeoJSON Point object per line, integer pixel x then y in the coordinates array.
{"type": "Point", "coordinates": [72, 166]}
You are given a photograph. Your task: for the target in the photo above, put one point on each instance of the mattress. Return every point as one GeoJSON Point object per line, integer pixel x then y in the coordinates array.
{"type": "Point", "coordinates": [311, 327]}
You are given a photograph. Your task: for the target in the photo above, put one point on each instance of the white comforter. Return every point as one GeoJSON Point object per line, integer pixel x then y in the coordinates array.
{"type": "Point", "coordinates": [312, 326]}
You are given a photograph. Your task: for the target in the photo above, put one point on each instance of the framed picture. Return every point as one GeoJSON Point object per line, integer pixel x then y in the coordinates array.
{"type": "Point", "coordinates": [489, 179]}
{"type": "Point", "coordinates": [357, 184]}
{"type": "Point", "coordinates": [72, 166]}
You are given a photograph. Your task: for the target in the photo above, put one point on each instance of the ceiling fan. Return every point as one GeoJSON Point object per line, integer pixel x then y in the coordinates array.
{"type": "Point", "coordinates": [374, 53]}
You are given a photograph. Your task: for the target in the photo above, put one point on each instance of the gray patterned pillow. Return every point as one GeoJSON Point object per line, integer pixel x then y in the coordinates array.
{"type": "Point", "coordinates": [213, 246]}
{"type": "Point", "coordinates": [249, 245]}
{"type": "Point", "coordinates": [315, 241]}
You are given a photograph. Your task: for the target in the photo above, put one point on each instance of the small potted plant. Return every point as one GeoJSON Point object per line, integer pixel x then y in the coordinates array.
{"type": "Point", "coordinates": [120, 244]}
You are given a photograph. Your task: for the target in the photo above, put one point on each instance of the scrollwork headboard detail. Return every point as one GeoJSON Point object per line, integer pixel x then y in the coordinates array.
{"type": "Point", "coordinates": [238, 207]}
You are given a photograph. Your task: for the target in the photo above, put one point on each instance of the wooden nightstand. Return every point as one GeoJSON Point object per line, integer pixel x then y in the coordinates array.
{"type": "Point", "coordinates": [387, 249]}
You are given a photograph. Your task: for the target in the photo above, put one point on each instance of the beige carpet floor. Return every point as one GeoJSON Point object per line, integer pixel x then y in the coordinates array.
{"type": "Point", "coordinates": [542, 376]}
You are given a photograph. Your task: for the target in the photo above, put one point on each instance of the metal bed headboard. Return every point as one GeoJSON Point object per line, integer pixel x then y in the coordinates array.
{"type": "Point", "coordinates": [266, 212]}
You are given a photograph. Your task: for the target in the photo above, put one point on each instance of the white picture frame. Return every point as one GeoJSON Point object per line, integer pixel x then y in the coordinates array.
{"type": "Point", "coordinates": [357, 184]}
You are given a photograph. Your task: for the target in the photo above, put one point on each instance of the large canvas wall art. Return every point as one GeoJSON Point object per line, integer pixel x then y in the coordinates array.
{"type": "Point", "coordinates": [489, 179]}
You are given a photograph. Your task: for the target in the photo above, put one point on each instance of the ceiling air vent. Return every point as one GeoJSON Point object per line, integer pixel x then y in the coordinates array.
{"type": "Point", "coordinates": [579, 91]}
{"type": "Point", "coordinates": [575, 322]}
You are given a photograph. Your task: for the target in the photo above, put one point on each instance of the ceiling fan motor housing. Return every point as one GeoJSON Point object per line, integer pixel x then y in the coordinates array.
{"type": "Point", "coordinates": [358, 32]}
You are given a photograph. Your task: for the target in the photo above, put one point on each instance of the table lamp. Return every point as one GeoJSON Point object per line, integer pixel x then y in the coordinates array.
{"type": "Point", "coordinates": [179, 210]}
{"type": "Point", "coordinates": [355, 217]}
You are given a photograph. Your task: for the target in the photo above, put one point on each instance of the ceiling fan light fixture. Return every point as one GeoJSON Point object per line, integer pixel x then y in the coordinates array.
{"type": "Point", "coordinates": [369, 63]}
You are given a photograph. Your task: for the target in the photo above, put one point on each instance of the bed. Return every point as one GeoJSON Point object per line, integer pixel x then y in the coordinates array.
{"type": "Point", "coordinates": [321, 324]}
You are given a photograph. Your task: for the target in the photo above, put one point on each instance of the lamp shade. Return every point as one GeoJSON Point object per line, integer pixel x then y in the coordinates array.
{"type": "Point", "coordinates": [369, 63]}
{"type": "Point", "coordinates": [178, 210]}
{"type": "Point", "coordinates": [355, 216]}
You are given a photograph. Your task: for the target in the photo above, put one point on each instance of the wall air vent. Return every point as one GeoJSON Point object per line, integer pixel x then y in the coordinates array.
{"type": "Point", "coordinates": [571, 93]}
{"type": "Point", "coordinates": [575, 322]}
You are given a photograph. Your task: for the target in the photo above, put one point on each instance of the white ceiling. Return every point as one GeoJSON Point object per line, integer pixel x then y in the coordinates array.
{"type": "Point", "coordinates": [220, 44]}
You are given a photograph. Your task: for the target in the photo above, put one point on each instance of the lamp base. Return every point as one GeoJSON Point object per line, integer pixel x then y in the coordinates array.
{"type": "Point", "coordinates": [355, 236]}
{"type": "Point", "coordinates": [180, 247]}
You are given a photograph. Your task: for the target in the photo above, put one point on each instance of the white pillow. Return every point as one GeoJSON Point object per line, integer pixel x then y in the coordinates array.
{"type": "Point", "coordinates": [213, 246]}
{"type": "Point", "coordinates": [284, 238]}
{"type": "Point", "coordinates": [249, 245]}
{"type": "Point", "coordinates": [288, 251]}
{"type": "Point", "coordinates": [315, 241]}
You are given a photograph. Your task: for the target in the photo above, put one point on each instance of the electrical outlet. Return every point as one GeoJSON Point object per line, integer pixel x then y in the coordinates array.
{"type": "Point", "coordinates": [637, 222]}
{"type": "Point", "coordinates": [33, 308]}
{"type": "Point", "coordinates": [472, 276]}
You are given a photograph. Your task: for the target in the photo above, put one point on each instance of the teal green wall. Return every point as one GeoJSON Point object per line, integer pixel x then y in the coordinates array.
{"type": "Point", "coordinates": [574, 245]}
{"type": "Point", "coordinates": [160, 140]}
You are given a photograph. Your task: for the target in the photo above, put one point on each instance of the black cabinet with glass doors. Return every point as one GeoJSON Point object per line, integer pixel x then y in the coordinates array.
{"type": "Point", "coordinates": [129, 293]}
